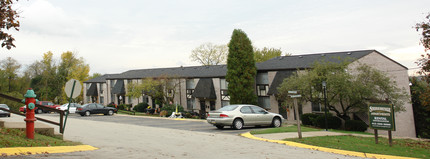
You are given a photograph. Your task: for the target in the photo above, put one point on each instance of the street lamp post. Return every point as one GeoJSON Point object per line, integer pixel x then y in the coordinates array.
{"type": "Point", "coordinates": [324, 84]}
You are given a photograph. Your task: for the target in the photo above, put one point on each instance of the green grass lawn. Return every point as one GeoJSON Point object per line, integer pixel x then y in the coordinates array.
{"type": "Point", "coordinates": [401, 147]}
{"type": "Point", "coordinates": [17, 138]}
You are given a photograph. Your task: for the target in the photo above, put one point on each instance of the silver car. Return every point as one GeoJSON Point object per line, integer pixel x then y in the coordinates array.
{"type": "Point", "coordinates": [238, 116]}
{"type": "Point", "coordinates": [4, 113]}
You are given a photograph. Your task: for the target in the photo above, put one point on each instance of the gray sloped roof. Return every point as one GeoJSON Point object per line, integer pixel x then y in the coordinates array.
{"type": "Point", "coordinates": [205, 89]}
{"type": "Point", "coordinates": [307, 60]}
{"type": "Point", "coordinates": [279, 78]}
{"type": "Point", "coordinates": [101, 79]}
{"type": "Point", "coordinates": [119, 87]}
{"type": "Point", "coordinates": [275, 64]}
{"type": "Point", "coordinates": [185, 72]}
{"type": "Point", "coordinates": [92, 91]}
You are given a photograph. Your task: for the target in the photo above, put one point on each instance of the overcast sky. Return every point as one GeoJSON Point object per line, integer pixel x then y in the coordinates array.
{"type": "Point", "coordinates": [115, 36]}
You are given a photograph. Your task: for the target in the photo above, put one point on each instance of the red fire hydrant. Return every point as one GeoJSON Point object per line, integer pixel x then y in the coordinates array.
{"type": "Point", "coordinates": [29, 116]}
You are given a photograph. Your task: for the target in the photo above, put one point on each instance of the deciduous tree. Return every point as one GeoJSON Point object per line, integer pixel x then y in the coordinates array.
{"type": "Point", "coordinates": [265, 54]}
{"type": "Point", "coordinates": [9, 68]}
{"type": "Point", "coordinates": [347, 90]}
{"type": "Point", "coordinates": [424, 61]}
{"type": "Point", "coordinates": [241, 69]}
{"type": "Point", "coordinates": [209, 54]}
{"type": "Point", "coordinates": [9, 20]}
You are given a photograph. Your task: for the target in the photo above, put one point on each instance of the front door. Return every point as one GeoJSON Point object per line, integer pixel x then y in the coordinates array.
{"type": "Point", "coordinates": [212, 105]}
{"type": "Point", "coordinates": [202, 109]}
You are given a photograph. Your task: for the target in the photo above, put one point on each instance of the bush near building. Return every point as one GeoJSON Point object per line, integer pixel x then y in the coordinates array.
{"type": "Point", "coordinates": [170, 108]}
{"type": "Point", "coordinates": [141, 107]}
{"type": "Point", "coordinates": [355, 125]}
{"type": "Point", "coordinates": [309, 119]}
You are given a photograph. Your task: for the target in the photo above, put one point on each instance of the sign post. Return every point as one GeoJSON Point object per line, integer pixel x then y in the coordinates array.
{"type": "Point", "coordinates": [73, 89]}
{"type": "Point", "coordinates": [381, 117]}
{"type": "Point", "coordinates": [294, 95]}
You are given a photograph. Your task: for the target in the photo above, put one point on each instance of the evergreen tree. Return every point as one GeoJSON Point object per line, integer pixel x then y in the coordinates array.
{"type": "Point", "coordinates": [241, 70]}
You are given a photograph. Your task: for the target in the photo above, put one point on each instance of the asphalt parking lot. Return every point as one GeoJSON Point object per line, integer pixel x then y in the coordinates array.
{"type": "Point", "coordinates": [190, 125]}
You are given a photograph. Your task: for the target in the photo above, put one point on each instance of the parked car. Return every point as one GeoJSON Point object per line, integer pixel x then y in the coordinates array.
{"type": "Point", "coordinates": [40, 110]}
{"type": "Point", "coordinates": [4, 113]}
{"type": "Point", "coordinates": [95, 108]}
{"type": "Point", "coordinates": [72, 108]}
{"type": "Point", "coordinates": [238, 116]}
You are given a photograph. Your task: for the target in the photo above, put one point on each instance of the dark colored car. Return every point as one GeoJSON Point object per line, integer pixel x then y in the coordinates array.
{"type": "Point", "coordinates": [4, 113]}
{"type": "Point", "coordinates": [95, 108]}
{"type": "Point", "coordinates": [40, 110]}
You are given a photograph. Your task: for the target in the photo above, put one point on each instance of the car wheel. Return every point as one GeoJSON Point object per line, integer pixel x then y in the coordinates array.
{"type": "Point", "coordinates": [237, 124]}
{"type": "Point", "coordinates": [87, 113]}
{"type": "Point", "coordinates": [276, 122]}
{"type": "Point", "coordinates": [219, 126]}
{"type": "Point", "coordinates": [39, 111]}
{"type": "Point", "coordinates": [110, 112]}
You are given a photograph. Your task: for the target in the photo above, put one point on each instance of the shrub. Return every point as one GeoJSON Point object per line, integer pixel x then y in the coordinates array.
{"type": "Point", "coordinates": [121, 107]}
{"type": "Point", "coordinates": [355, 125]}
{"type": "Point", "coordinates": [172, 108]}
{"type": "Point", "coordinates": [141, 107]}
{"type": "Point", "coordinates": [163, 113]}
{"type": "Point", "coordinates": [309, 119]}
{"type": "Point", "coordinates": [333, 122]}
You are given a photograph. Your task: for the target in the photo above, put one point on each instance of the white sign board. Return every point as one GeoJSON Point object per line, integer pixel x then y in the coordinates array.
{"type": "Point", "coordinates": [296, 96]}
{"type": "Point", "coordinates": [76, 90]}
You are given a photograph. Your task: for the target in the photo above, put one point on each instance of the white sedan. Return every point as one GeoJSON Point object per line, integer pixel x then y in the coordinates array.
{"type": "Point", "coordinates": [72, 108]}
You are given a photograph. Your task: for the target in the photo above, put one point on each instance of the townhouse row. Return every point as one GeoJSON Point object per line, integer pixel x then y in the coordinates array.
{"type": "Point", "coordinates": [204, 88]}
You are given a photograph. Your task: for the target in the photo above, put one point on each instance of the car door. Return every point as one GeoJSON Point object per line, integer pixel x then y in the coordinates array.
{"type": "Point", "coordinates": [72, 108]}
{"type": "Point", "coordinates": [92, 108]}
{"type": "Point", "coordinates": [248, 116]}
{"type": "Point", "coordinates": [101, 109]}
{"type": "Point", "coordinates": [262, 116]}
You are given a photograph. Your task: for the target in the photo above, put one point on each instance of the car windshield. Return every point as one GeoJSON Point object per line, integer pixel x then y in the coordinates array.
{"type": "Point", "coordinates": [4, 106]}
{"type": "Point", "coordinates": [85, 105]}
{"type": "Point", "coordinates": [228, 108]}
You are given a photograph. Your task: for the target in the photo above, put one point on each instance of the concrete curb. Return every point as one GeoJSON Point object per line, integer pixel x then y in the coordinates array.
{"type": "Point", "coordinates": [330, 150]}
{"type": "Point", "coordinates": [12, 151]}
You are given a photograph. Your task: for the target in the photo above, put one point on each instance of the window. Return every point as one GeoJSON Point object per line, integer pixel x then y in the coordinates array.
{"type": "Point", "coordinates": [316, 107]}
{"type": "Point", "coordinates": [190, 85]}
{"type": "Point", "coordinates": [92, 106]}
{"type": "Point", "coordinates": [102, 100]}
{"type": "Point", "coordinates": [112, 83]}
{"type": "Point", "coordinates": [262, 89]}
{"type": "Point", "coordinates": [258, 110]}
{"type": "Point", "coordinates": [101, 88]}
{"type": "Point", "coordinates": [225, 103]}
{"type": "Point", "coordinates": [190, 103]}
{"type": "Point", "coordinates": [262, 78]}
{"type": "Point", "coordinates": [262, 84]}
{"type": "Point", "coordinates": [246, 110]}
{"type": "Point", "coordinates": [225, 98]}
